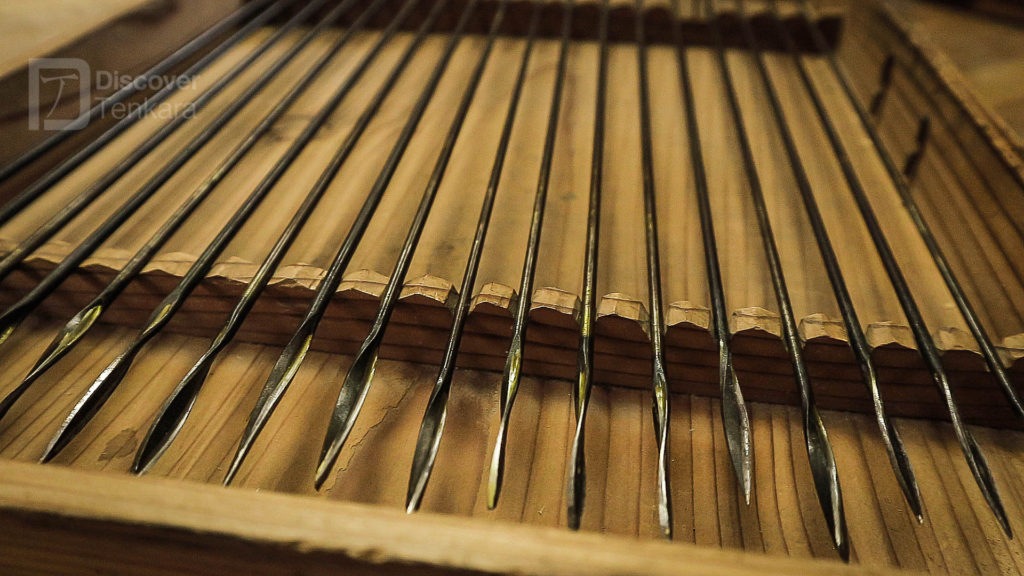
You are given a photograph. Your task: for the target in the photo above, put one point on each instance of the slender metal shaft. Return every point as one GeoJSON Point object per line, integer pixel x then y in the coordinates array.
{"type": "Point", "coordinates": [577, 483]}
{"type": "Point", "coordinates": [437, 408]}
{"type": "Point", "coordinates": [176, 408]}
{"type": "Point", "coordinates": [988, 349]}
{"type": "Point", "coordinates": [898, 457]}
{"type": "Point", "coordinates": [734, 411]}
{"type": "Point", "coordinates": [54, 175]}
{"type": "Point", "coordinates": [513, 362]}
{"type": "Point", "coordinates": [819, 449]}
{"type": "Point", "coordinates": [659, 379]}
{"type": "Point", "coordinates": [114, 373]}
{"type": "Point", "coordinates": [79, 324]}
{"type": "Point", "coordinates": [295, 352]}
{"type": "Point", "coordinates": [14, 315]}
{"type": "Point", "coordinates": [925, 343]}
{"type": "Point", "coordinates": [103, 108]}
{"type": "Point", "coordinates": [858, 341]}
{"type": "Point", "coordinates": [360, 374]}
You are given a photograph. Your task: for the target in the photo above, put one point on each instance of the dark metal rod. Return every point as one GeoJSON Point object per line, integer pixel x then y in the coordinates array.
{"type": "Point", "coordinates": [898, 457]}
{"type": "Point", "coordinates": [102, 109]}
{"type": "Point", "coordinates": [176, 408]}
{"type": "Point", "coordinates": [437, 408]}
{"type": "Point", "coordinates": [988, 350]}
{"type": "Point", "coordinates": [55, 174]}
{"type": "Point", "coordinates": [108, 380]}
{"type": "Point", "coordinates": [577, 483]}
{"type": "Point", "coordinates": [514, 360]}
{"type": "Point", "coordinates": [819, 449]}
{"type": "Point", "coordinates": [884, 80]}
{"type": "Point", "coordinates": [295, 352]}
{"type": "Point", "coordinates": [925, 343]}
{"type": "Point", "coordinates": [735, 419]}
{"type": "Point", "coordinates": [660, 396]}
{"type": "Point", "coordinates": [360, 374]}
{"type": "Point", "coordinates": [16, 313]}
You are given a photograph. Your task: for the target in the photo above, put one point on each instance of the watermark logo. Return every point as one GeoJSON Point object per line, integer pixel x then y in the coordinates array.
{"type": "Point", "coordinates": [60, 94]}
{"type": "Point", "coordinates": [57, 78]}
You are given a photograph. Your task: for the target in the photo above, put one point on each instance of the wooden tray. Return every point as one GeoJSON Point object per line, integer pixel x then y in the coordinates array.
{"type": "Point", "coordinates": [92, 517]}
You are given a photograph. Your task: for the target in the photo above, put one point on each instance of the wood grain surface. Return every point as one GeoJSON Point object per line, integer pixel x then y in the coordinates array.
{"type": "Point", "coordinates": [969, 187]}
{"type": "Point", "coordinates": [959, 534]}
{"type": "Point", "coordinates": [979, 231]}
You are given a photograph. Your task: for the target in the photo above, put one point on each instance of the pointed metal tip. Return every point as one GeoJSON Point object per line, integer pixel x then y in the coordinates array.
{"type": "Point", "coordinates": [664, 508]}
{"type": "Point", "coordinates": [428, 441]}
{"type": "Point", "coordinates": [493, 492]}
{"type": "Point", "coordinates": [509, 387]}
{"type": "Point", "coordinates": [908, 482]}
{"type": "Point", "coordinates": [236, 464]}
{"type": "Point", "coordinates": [1004, 521]}
{"type": "Point", "coordinates": [494, 479]}
{"type": "Point", "coordinates": [417, 487]}
{"type": "Point", "coordinates": [983, 476]}
{"type": "Point", "coordinates": [577, 479]}
{"type": "Point", "coordinates": [661, 408]}
{"type": "Point", "coordinates": [497, 472]}
{"type": "Point", "coordinates": [736, 422]}
{"type": "Point", "coordinates": [323, 470]}
{"type": "Point", "coordinates": [90, 403]}
{"type": "Point", "coordinates": [574, 518]}
{"type": "Point", "coordinates": [72, 424]}
{"type": "Point", "coordinates": [146, 457]}
{"type": "Point", "coordinates": [843, 548]}
{"type": "Point", "coordinates": [138, 468]}
{"type": "Point", "coordinates": [277, 383]}
{"type": "Point", "coordinates": [57, 443]}
{"type": "Point", "coordinates": [346, 409]}
{"type": "Point", "coordinates": [51, 451]}
{"type": "Point", "coordinates": [897, 452]}
{"type": "Point", "coordinates": [173, 413]}
{"type": "Point", "coordinates": [920, 518]}
{"type": "Point", "coordinates": [826, 478]}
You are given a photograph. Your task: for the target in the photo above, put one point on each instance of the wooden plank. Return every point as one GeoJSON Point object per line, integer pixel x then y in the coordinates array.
{"type": "Point", "coordinates": [153, 526]}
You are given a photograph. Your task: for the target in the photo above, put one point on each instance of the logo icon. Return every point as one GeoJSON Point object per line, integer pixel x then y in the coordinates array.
{"type": "Point", "coordinates": [59, 93]}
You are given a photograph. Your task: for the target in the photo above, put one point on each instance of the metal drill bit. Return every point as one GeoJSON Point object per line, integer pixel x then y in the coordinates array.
{"type": "Point", "coordinates": [176, 408]}
{"type": "Point", "coordinates": [295, 351]}
{"type": "Point", "coordinates": [988, 350]}
{"type": "Point", "coordinates": [660, 381]}
{"type": "Point", "coordinates": [513, 362]}
{"type": "Point", "coordinates": [360, 374]}
{"type": "Point", "coordinates": [110, 378]}
{"type": "Point", "coordinates": [16, 313]}
{"type": "Point", "coordinates": [101, 109]}
{"type": "Point", "coordinates": [577, 482]}
{"type": "Point", "coordinates": [858, 342]}
{"type": "Point", "coordinates": [822, 460]}
{"type": "Point", "coordinates": [54, 175]}
{"type": "Point", "coordinates": [925, 343]}
{"type": "Point", "coordinates": [434, 418]}
{"type": "Point", "coordinates": [79, 324]}
{"type": "Point", "coordinates": [734, 411]}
